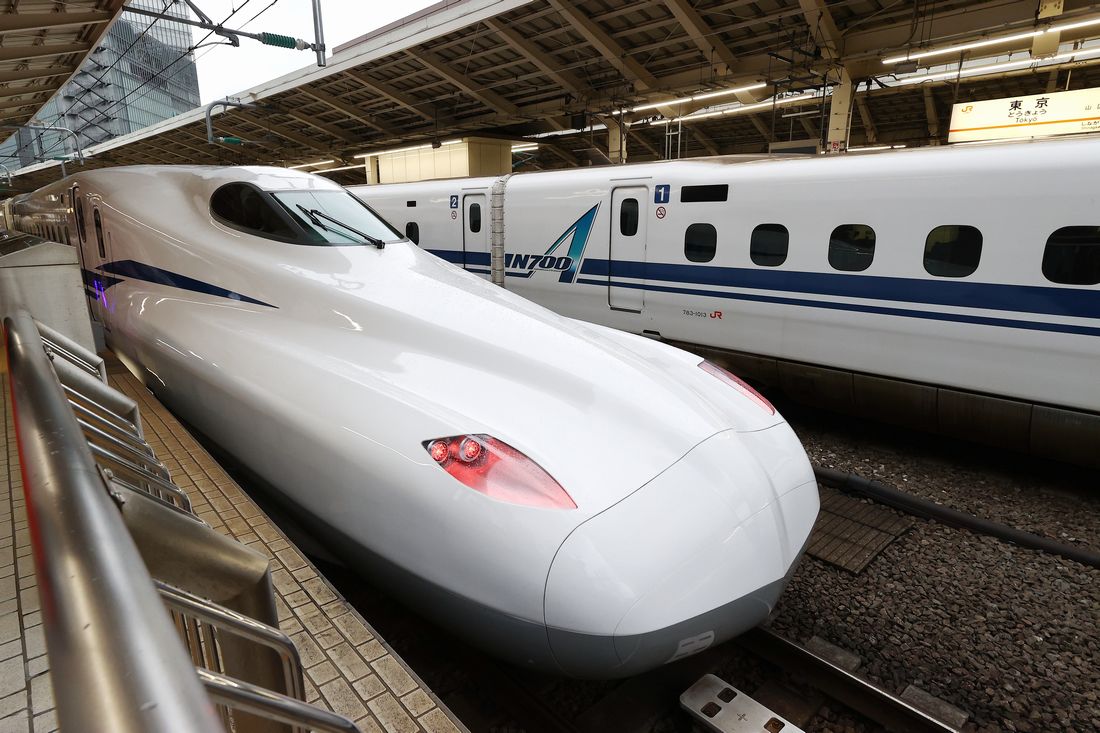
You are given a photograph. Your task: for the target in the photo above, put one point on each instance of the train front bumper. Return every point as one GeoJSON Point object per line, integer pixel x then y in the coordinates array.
{"type": "Point", "coordinates": [699, 554]}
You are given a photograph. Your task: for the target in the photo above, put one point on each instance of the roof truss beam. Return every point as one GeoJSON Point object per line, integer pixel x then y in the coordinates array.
{"type": "Point", "coordinates": [489, 98]}
{"type": "Point", "coordinates": [544, 61]}
{"type": "Point", "coordinates": [19, 22]}
{"type": "Point", "coordinates": [607, 46]}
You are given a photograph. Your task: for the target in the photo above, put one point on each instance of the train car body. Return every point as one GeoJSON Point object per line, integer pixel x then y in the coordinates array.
{"type": "Point", "coordinates": [570, 497]}
{"type": "Point", "coordinates": [955, 290]}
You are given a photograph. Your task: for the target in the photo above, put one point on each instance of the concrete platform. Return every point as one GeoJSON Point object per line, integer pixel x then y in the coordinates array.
{"type": "Point", "coordinates": [348, 667]}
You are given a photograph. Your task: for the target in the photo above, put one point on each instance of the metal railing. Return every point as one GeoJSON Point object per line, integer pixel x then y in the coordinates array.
{"type": "Point", "coordinates": [108, 521]}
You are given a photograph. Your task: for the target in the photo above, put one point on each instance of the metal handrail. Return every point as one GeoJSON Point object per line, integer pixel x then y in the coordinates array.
{"type": "Point", "coordinates": [249, 628]}
{"type": "Point", "coordinates": [78, 399]}
{"type": "Point", "coordinates": [114, 655]}
{"type": "Point", "coordinates": [72, 349]}
{"type": "Point", "coordinates": [260, 701]}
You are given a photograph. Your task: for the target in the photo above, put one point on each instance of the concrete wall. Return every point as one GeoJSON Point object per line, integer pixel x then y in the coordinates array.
{"type": "Point", "coordinates": [45, 280]}
{"type": "Point", "coordinates": [467, 157]}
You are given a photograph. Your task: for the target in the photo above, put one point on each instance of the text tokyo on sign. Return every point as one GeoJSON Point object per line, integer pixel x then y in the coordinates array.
{"type": "Point", "coordinates": [1037, 115]}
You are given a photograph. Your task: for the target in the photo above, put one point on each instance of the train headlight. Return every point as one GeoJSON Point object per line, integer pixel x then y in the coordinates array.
{"type": "Point", "coordinates": [737, 383]}
{"type": "Point", "coordinates": [496, 469]}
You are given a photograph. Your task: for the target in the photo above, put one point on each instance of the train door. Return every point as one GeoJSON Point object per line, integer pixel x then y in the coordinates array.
{"type": "Point", "coordinates": [99, 256]}
{"type": "Point", "coordinates": [629, 209]}
{"type": "Point", "coordinates": [475, 232]}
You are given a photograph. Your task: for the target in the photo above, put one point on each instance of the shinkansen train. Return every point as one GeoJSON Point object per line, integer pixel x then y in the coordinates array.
{"type": "Point", "coordinates": [952, 289]}
{"type": "Point", "coordinates": [571, 497]}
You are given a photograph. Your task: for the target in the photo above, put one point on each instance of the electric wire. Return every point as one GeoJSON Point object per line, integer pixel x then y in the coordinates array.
{"type": "Point", "coordinates": [189, 50]}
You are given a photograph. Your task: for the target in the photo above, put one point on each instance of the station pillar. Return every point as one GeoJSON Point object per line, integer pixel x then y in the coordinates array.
{"type": "Point", "coordinates": [371, 164]}
{"type": "Point", "coordinates": [616, 140]}
{"type": "Point", "coordinates": [840, 114]}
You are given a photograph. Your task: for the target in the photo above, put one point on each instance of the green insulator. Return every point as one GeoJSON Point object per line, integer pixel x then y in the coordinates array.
{"type": "Point", "coordinates": [274, 39]}
{"type": "Point", "coordinates": [230, 140]}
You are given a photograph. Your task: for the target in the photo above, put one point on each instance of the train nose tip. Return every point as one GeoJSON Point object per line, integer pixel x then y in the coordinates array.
{"type": "Point", "coordinates": [696, 556]}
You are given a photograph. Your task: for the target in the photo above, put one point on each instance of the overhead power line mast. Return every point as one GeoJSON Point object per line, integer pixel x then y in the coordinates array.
{"type": "Point", "coordinates": [234, 36]}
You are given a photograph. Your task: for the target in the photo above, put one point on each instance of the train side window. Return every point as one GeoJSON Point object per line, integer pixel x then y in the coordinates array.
{"type": "Point", "coordinates": [412, 232]}
{"type": "Point", "coordinates": [700, 242]}
{"type": "Point", "coordinates": [475, 218]}
{"type": "Point", "coordinates": [1072, 256]}
{"type": "Point", "coordinates": [98, 223]}
{"type": "Point", "coordinates": [81, 232]}
{"type": "Point", "coordinates": [628, 217]}
{"type": "Point", "coordinates": [768, 245]}
{"type": "Point", "coordinates": [246, 208]}
{"type": "Point", "coordinates": [952, 250]}
{"type": "Point", "coordinates": [852, 247]}
{"type": "Point", "coordinates": [709, 192]}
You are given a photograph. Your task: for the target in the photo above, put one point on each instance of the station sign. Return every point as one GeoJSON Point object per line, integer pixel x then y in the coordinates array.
{"type": "Point", "coordinates": [1037, 115]}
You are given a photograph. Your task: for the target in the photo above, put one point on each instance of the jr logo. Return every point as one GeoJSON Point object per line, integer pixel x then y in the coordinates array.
{"type": "Point", "coordinates": [566, 262]}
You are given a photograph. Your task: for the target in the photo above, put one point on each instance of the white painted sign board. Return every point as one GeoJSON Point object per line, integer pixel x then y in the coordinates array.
{"type": "Point", "coordinates": [1037, 115]}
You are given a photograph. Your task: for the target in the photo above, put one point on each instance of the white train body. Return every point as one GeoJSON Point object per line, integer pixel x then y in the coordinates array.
{"type": "Point", "coordinates": [946, 341]}
{"type": "Point", "coordinates": [331, 370]}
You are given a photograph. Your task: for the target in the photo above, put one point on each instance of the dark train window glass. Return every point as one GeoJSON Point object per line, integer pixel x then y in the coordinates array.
{"type": "Point", "coordinates": [1072, 256]}
{"type": "Point", "coordinates": [952, 250]}
{"type": "Point", "coordinates": [711, 192]}
{"type": "Point", "coordinates": [98, 223]}
{"type": "Point", "coordinates": [412, 231]}
{"type": "Point", "coordinates": [245, 207]}
{"type": "Point", "coordinates": [852, 247]}
{"type": "Point", "coordinates": [80, 230]}
{"type": "Point", "coordinates": [475, 218]}
{"type": "Point", "coordinates": [410, 204]}
{"type": "Point", "coordinates": [700, 242]}
{"type": "Point", "coordinates": [768, 245]}
{"type": "Point", "coordinates": [628, 217]}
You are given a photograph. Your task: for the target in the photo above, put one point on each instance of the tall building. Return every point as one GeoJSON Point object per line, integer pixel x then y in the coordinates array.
{"type": "Point", "coordinates": [140, 73]}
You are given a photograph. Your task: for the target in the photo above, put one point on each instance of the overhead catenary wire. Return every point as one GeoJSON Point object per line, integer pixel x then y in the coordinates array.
{"type": "Point", "coordinates": [175, 61]}
{"type": "Point", "coordinates": [98, 79]}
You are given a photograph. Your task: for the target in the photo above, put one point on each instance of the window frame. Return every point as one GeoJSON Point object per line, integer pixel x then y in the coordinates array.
{"type": "Point", "coordinates": [928, 244]}
{"type": "Point", "coordinates": [637, 216]}
{"type": "Point", "coordinates": [714, 248]}
{"type": "Point", "coordinates": [832, 238]}
{"type": "Point", "coordinates": [786, 244]}
{"type": "Point", "coordinates": [1047, 249]}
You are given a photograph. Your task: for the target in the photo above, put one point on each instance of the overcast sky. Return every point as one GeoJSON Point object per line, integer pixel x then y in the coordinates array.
{"type": "Point", "coordinates": [224, 70]}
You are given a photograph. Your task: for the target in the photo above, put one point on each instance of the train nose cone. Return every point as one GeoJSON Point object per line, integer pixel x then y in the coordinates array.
{"type": "Point", "coordinates": [696, 556]}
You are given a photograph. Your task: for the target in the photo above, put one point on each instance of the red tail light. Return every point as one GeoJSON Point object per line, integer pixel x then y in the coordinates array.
{"type": "Point", "coordinates": [737, 383]}
{"type": "Point", "coordinates": [498, 470]}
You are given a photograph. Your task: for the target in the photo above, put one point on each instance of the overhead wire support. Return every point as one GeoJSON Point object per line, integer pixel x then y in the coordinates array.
{"type": "Point", "coordinates": [233, 36]}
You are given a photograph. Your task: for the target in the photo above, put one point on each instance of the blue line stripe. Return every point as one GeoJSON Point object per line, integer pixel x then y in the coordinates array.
{"type": "Point", "coordinates": [148, 273]}
{"type": "Point", "coordinates": [928, 315]}
{"type": "Point", "coordinates": [1074, 302]}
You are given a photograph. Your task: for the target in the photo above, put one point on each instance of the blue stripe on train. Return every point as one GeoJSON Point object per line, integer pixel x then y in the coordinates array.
{"type": "Point", "coordinates": [148, 273]}
{"type": "Point", "coordinates": [905, 312]}
{"type": "Point", "coordinates": [1076, 302]}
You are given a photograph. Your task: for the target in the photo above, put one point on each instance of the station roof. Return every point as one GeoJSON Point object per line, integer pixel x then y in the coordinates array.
{"type": "Point", "coordinates": [524, 68]}
{"type": "Point", "coordinates": [42, 42]}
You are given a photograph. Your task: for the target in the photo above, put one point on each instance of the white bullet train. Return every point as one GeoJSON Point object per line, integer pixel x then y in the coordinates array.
{"type": "Point", "coordinates": [571, 497]}
{"type": "Point", "coordinates": [952, 289]}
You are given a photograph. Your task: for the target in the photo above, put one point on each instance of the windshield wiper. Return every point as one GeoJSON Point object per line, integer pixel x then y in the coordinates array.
{"type": "Point", "coordinates": [316, 215]}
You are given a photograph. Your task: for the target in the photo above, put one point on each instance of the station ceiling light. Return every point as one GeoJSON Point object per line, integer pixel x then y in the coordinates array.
{"type": "Point", "coordinates": [310, 165]}
{"type": "Point", "coordinates": [959, 48]}
{"type": "Point", "coordinates": [1078, 55]}
{"type": "Point", "coordinates": [525, 148]}
{"type": "Point", "coordinates": [426, 146]}
{"type": "Point", "coordinates": [805, 96]}
{"type": "Point", "coordinates": [695, 98]}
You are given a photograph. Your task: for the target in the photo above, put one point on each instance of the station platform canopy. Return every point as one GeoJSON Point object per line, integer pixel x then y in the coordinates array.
{"type": "Point", "coordinates": [674, 78]}
{"type": "Point", "coordinates": [42, 43]}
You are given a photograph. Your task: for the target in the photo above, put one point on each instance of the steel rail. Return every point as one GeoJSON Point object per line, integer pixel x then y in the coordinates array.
{"type": "Point", "coordinates": [859, 694]}
{"type": "Point", "coordinates": [116, 661]}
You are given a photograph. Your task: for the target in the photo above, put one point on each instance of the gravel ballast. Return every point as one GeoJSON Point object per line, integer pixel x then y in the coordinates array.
{"type": "Point", "coordinates": [1010, 635]}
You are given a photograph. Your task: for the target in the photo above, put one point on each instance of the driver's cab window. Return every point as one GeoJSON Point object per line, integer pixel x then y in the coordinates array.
{"type": "Point", "coordinates": [245, 207]}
